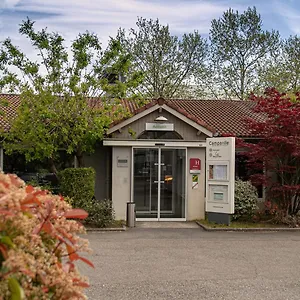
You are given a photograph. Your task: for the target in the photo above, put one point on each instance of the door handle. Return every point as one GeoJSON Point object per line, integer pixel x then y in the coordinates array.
{"type": "Point", "coordinates": [156, 181]}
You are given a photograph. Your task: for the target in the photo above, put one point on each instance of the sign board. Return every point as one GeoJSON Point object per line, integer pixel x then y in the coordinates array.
{"type": "Point", "coordinates": [195, 183]}
{"type": "Point", "coordinates": [220, 179]}
{"type": "Point", "coordinates": [195, 166]}
{"type": "Point", "coordinates": [160, 126]}
{"type": "Point", "coordinates": [122, 162]}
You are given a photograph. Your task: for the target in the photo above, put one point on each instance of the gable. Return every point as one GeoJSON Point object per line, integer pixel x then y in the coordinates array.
{"type": "Point", "coordinates": [134, 127]}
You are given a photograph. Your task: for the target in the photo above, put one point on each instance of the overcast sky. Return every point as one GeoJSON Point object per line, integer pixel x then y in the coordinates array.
{"type": "Point", "coordinates": [104, 17]}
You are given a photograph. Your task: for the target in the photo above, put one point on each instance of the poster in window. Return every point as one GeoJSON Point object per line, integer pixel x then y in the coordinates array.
{"type": "Point", "coordinates": [217, 172]}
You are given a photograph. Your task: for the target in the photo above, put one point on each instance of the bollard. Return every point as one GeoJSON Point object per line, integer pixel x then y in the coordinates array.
{"type": "Point", "coordinates": [130, 214]}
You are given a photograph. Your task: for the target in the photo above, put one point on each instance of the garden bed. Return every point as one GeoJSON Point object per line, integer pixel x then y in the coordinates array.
{"type": "Point", "coordinates": [244, 226]}
{"type": "Point", "coordinates": [113, 226]}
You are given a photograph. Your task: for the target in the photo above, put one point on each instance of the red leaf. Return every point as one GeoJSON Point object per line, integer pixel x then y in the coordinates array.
{"type": "Point", "coordinates": [80, 283]}
{"type": "Point", "coordinates": [76, 213]}
{"type": "Point", "coordinates": [48, 227]}
{"type": "Point", "coordinates": [31, 199]}
{"type": "Point", "coordinates": [66, 235]}
{"type": "Point", "coordinates": [86, 261]}
{"type": "Point", "coordinates": [29, 189]}
{"type": "Point", "coordinates": [6, 212]}
{"type": "Point", "coordinates": [72, 253]}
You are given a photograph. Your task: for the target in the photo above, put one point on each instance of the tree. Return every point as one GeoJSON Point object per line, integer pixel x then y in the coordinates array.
{"type": "Point", "coordinates": [167, 62]}
{"type": "Point", "coordinates": [283, 72]}
{"type": "Point", "coordinates": [239, 46]}
{"type": "Point", "coordinates": [57, 111]}
{"type": "Point", "coordinates": [278, 149]}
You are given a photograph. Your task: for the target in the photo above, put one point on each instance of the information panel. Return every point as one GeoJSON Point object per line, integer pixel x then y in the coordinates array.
{"type": "Point", "coordinates": [220, 179]}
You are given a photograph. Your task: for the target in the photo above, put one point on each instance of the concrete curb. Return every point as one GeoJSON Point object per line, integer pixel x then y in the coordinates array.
{"type": "Point", "coordinates": [246, 229]}
{"type": "Point", "coordinates": [91, 229]}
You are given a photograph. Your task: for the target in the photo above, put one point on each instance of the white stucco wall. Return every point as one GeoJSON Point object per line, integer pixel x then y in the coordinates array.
{"type": "Point", "coordinates": [196, 197]}
{"type": "Point", "coordinates": [121, 181]}
{"type": "Point", "coordinates": [121, 184]}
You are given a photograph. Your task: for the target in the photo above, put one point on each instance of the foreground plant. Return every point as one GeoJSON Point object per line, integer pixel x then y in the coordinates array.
{"type": "Point", "coordinates": [39, 244]}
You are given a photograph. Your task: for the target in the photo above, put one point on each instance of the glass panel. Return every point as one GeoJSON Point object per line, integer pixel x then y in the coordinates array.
{"type": "Point", "coordinates": [160, 135]}
{"type": "Point", "coordinates": [145, 182]}
{"type": "Point", "coordinates": [172, 194]}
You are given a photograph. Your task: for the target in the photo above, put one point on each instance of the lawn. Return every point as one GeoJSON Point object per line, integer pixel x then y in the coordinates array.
{"type": "Point", "coordinates": [236, 224]}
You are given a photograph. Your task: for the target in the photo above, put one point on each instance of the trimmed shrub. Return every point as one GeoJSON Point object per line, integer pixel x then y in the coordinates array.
{"type": "Point", "coordinates": [245, 200]}
{"type": "Point", "coordinates": [78, 184]}
{"type": "Point", "coordinates": [101, 213]}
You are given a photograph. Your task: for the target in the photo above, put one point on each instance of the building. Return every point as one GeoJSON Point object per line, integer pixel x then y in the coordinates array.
{"type": "Point", "coordinates": [146, 158]}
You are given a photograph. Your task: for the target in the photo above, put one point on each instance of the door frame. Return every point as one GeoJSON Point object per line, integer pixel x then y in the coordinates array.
{"type": "Point", "coordinates": [159, 147]}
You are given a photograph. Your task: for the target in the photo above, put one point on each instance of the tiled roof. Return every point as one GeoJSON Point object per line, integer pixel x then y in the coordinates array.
{"type": "Point", "coordinates": [221, 116]}
{"type": "Point", "coordinates": [225, 116]}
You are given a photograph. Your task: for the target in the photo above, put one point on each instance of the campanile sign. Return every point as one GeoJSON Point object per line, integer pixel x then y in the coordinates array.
{"type": "Point", "coordinates": [220, 178]}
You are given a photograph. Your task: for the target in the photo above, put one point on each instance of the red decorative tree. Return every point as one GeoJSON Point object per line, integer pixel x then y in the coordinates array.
{"type": "Point", "coordinates": [277, 150]}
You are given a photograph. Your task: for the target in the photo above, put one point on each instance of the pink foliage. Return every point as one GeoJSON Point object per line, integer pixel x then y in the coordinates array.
{"type": "Point", "coordinates": [39, 242]}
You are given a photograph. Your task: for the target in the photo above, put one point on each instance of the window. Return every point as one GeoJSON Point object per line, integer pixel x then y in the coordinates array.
{"type": "Point", "coordinates": [243, 172]}
{"type": "Point", "coordinates": [160, 135]}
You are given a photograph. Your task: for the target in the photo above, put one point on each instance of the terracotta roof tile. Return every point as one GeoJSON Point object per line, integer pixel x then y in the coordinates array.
{"type": "Point", "coordinates": [222, 116]}
{"type": "Point", "coordinates": [225, 116]}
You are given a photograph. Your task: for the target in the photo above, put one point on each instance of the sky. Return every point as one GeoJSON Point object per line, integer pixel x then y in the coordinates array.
{"type": "Point", "coordinates": [104, 17]}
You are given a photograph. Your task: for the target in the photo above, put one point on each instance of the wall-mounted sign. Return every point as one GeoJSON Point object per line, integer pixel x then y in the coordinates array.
{"type": "Point", "coordinates": [122, 162]}
{"type": "Point", "coordinates": [195, 166]}
{"type": "Point", "coordinates": [195, 181]}
{"type": "Point", "coordinates": [219, 149]}
{"type": "Point", "coordinates": [160, 126]}
{"type": "Point", "coordinates": [220, 178]}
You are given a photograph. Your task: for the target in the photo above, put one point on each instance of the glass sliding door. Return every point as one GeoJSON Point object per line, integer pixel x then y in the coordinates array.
{"type": "Point", "coordinates": [172, 193]}
{"type": "Point", "coordinates": [145, 178]}
{"type": "Point", "coordinates": [159, 182]}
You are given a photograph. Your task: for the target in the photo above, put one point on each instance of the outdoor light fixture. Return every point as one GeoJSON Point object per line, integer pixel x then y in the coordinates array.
{"type": "Point", "coordinates": [161, 118]}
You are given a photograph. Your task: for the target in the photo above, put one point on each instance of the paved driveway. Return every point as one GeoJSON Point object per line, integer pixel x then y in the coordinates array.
{"type": "Point", "coordinates": [144, 263]}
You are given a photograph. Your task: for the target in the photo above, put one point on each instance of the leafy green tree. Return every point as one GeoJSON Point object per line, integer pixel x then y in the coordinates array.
{"type": "Point", "coordinates": [283, 72]}
{"type": "Point", "coordinates": [167, 62]}
{"type": "Point", "coordinates": [57, 111]}
{"type": "Point", "coordinates": [239, 46]}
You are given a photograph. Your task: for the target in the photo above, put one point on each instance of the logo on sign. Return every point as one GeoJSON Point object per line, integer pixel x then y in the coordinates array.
{"type": "Point", "coordinates": [195, 165]}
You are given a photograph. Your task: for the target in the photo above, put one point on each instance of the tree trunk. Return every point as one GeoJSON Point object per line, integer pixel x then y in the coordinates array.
{"type": "Point", "coordinates": [79, 157]}
{"type": "Point", "coordinates": [52, 166]}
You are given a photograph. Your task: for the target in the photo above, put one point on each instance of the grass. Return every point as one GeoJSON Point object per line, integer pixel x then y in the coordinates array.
{"type": "Point", "coordinates": [236, 224]}
{"type": "Point", "coordinates": [113, 224]}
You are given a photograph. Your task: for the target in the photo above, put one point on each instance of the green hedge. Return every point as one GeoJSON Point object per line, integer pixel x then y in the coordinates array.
{"type": "Point", "coordinates": [101, 213]}
{"type": "Point", "coordinates": [79, 184]}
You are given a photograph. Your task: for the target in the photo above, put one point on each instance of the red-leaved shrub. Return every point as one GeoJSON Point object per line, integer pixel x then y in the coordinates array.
{"type": "Point", "coordinates": [39, 244]}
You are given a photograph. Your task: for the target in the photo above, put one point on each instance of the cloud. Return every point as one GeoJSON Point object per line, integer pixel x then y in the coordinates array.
{"type": "Point", "coordinates": [290, 15]}
{"type": "Point", "coordinates": [8, 3]}
{"type": "Point", "coordinates": [69, 17]}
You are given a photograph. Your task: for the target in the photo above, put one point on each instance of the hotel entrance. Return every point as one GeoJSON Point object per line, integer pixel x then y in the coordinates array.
{"type": "Point", "coordinates": [159, 183]}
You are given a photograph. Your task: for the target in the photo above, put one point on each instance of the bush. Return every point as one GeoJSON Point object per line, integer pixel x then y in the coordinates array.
{"type": "Point", "coordinates": [79, 184]}
{"type": "Point", "coordinates": [39, 244]}
{"type": "Point", "coordinates": [245, 200]}
{"type": "Point", "coordinates": [101, 213]}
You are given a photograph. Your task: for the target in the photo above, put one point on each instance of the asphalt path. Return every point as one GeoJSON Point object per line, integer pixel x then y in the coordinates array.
{"type": "Point", "coordinates": [189, 263]}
